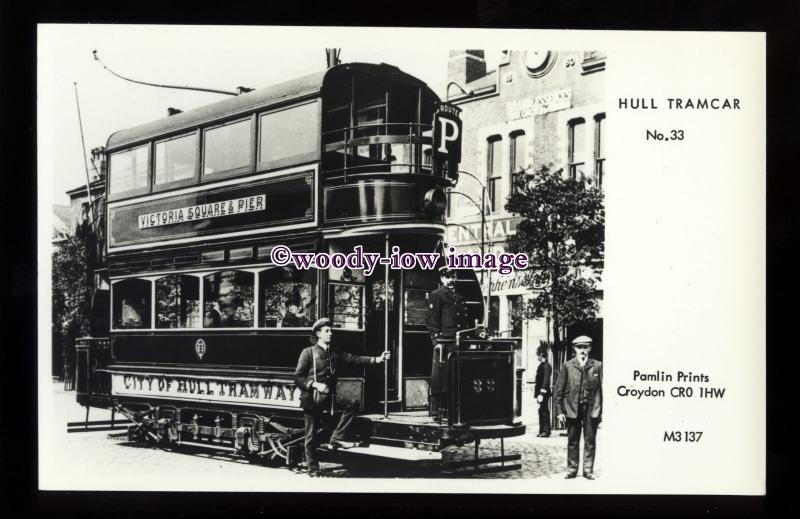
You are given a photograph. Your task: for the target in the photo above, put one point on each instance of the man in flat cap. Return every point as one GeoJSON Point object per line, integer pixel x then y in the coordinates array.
{"type": "Point", "coordinates": [446, 315]}
{"type": "Point", "coordinates": [578, 399]}
{"type": "Point", "coordinates": [316, 376]}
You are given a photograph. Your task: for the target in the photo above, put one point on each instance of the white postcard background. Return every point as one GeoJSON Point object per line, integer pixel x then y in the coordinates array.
{"type": "Point", "coordinates": [685, 265]}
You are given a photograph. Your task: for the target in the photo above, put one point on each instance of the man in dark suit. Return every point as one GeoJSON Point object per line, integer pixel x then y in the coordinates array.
{"type": "Point", "coordinates": [316, 376]}
{"type": "Point", "coordinates": [579, 401]}
{"type": "Point", "coordinates": [446, 315]}
{"type": "Point", "coordinates": [542, 389]}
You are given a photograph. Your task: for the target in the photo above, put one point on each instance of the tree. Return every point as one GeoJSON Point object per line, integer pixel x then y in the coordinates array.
{"type": "Point", "coordinates": [71, 294]}
{"type": "Point", "coordinates": [562, 230]}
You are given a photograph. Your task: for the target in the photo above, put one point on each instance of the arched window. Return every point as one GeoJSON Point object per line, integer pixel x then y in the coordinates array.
{"type": "Point", "coordinates": [288, 297]}
{"type": "Point", "coordinates": [131, 304]}
{"type": "Point", "coordinates": [577, 149]}
{"type": "Point", "coordinates": [228, 299]}
{"type": "Point", "coordinates": [516, 156]}
{"type": "Point", "coordinates": [494, 172]}
{"type": "Point", "coordinates": [178, 302]}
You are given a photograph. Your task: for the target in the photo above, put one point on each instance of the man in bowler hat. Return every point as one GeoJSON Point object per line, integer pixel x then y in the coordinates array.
{"type": "Point", "coordinates": [446, 315]}
{"type": "Point", "coordinates": [316, 372]}
{"type": "Point", "coordinates": [578, 398]}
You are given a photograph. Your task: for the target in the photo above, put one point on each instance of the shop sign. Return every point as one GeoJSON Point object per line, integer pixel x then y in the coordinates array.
{"type": "Point", "coordinates": [540, 104]}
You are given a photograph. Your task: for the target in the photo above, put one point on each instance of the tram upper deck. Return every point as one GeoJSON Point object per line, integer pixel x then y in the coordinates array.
{"type": "Point", "coordinates": [196, 202]}
{"type": "Point", "coordinates": [347, 147]}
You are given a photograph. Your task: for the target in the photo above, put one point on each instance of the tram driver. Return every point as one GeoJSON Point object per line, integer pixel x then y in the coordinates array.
{"type": "Point", "coordinates": [446, 315]}
{"type": "Point", "coordinates": [316, 376]}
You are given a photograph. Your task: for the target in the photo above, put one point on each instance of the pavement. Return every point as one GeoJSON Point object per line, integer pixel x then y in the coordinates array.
{"type": "Point", "coordinates": [104, 454]}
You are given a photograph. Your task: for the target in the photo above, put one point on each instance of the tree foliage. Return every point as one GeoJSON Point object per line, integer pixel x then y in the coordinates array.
{"type": "Point", "coordinates": [562, 230]}
{"type": "Point", "coordinates": [70, 292]}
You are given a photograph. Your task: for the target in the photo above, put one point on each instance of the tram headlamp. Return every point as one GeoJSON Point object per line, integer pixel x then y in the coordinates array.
{"type": "Point", "coordinates": [434, 202]}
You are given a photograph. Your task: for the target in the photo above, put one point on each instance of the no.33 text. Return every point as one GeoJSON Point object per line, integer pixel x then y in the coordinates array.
{"type": "Point", "coordinates": [669, 135]}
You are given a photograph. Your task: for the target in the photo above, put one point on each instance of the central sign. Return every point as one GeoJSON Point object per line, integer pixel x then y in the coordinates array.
{"type": "Point", "coordinates": [275, 393]}
{"type": "Point", "coordinates": [247, 204]}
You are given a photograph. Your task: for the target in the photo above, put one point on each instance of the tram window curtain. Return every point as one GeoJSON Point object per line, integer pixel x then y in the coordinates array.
{"type": "Point", "coordinates": [128, 170]}
{"type": "Point", "coordinates": [228, 299]}
{"type": "Point", "coordinates": [288, 297]}
{"type": "Point", "coordinates": [289, 136]}
{"type": "Point", "coordinates": [178, 302]}
{"type": "Point", "coordinates": [131, 302]}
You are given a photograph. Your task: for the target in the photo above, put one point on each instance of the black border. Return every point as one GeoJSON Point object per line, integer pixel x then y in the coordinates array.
{"type": "Point", "coordinates": [17, 91]}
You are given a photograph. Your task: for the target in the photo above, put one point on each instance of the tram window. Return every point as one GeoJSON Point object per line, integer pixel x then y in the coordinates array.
{"type": "Point", "coordinates": [289, 136]}
{"type": "Point", "coordinates": [178, 302]}
{"type": "Point", "coordinates": [228, 299]}
{"type": "Point", "coordinates": [379, 296]}
{"type": "Point", "coordinates": [288, 297]}
{"type": "Point", "coordinates": [129, 170]}
{"type": "Point", "coordinates": [131, 304]}
{"type": "Point", "coordinates": [227, 148]}
{"type": "Point", "coordinates": [415, 306]}
{"type": "Point", "coordinates": [176, 159]}
{"type": "Point", "coordinates": [346, 303]}
{"type": "Point", "coordinates": [346, 274]}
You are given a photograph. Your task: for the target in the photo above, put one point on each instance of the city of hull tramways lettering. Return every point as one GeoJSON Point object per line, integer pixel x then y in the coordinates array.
{"type": "Point", "coordinates": [205, 330]}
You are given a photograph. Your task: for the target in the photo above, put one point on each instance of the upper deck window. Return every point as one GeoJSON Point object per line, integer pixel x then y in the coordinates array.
{"type": "Point", "coordinates": [176, 159]}
{"type": "Point", "coordinates": [289, 136]}
{"type": "Point", "coordinates": [128, 170]}
{"type": "Point", "coordinates": [227, 147]}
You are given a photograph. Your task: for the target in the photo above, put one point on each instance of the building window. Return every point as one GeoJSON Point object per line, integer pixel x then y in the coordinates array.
{"type": "Point", "coordinates": [577, 145]}
{"type": "Point", "coordinates": [289, 136]}
{"type": "Point", "coordinates": [178, 302]}
{"type": "Point", "coordinates": [516, 158]}
{"type": "Point", "coordinates": [129, 170]}
{"type": "Point", "coordinates": [228, 299]}
{"type": "Point", "coordinates": [227, 147]}
{"type": "Point", "coordinates": [515, 313]}
{"type": "Point", "coordinates": [176, 159]}
{"type": "Point", "coordinates": [494, 173]}
{"type": "Point", "coordinates": [131, 304]}
{"type": "Point", "coordinates": [288, 297]}
{"type": "Point", "coordinates": [599, 149]}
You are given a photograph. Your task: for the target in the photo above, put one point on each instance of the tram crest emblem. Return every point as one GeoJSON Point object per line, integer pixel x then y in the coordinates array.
{"type": "Point", "coordinates": [200, 348]}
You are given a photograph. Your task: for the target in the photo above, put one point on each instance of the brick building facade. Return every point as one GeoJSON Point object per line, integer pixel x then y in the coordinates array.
{"type": "Point", "coordinates": [537, 108]}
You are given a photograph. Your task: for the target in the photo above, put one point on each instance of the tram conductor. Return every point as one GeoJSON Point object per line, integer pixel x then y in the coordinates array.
{"type": "Point", "coordinates": [316, 376]}
{"type": "Point", "coordinates": [446, 315]}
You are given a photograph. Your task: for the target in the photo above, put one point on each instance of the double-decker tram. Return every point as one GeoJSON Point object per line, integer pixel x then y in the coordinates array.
{"type": "Point", "coordinates": [205, 330]}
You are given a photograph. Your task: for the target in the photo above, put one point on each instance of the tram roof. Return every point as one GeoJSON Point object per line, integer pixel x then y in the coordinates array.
{"type": "Point", "coordinates": [279, 93]}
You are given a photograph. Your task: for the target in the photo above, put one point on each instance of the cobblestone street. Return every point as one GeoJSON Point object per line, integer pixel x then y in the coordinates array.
{"type": "Point", "coordinates": [107, 454]}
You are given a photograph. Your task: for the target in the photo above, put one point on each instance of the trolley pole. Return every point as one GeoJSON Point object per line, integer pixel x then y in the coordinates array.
{"type": "Point", "coordinates": [83, 147]}
{"type": "Point", "coordinates": [386, 331]}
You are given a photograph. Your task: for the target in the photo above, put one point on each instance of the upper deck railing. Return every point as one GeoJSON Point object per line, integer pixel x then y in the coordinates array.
{"type": "Point", "coordinates": [377, 148]}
